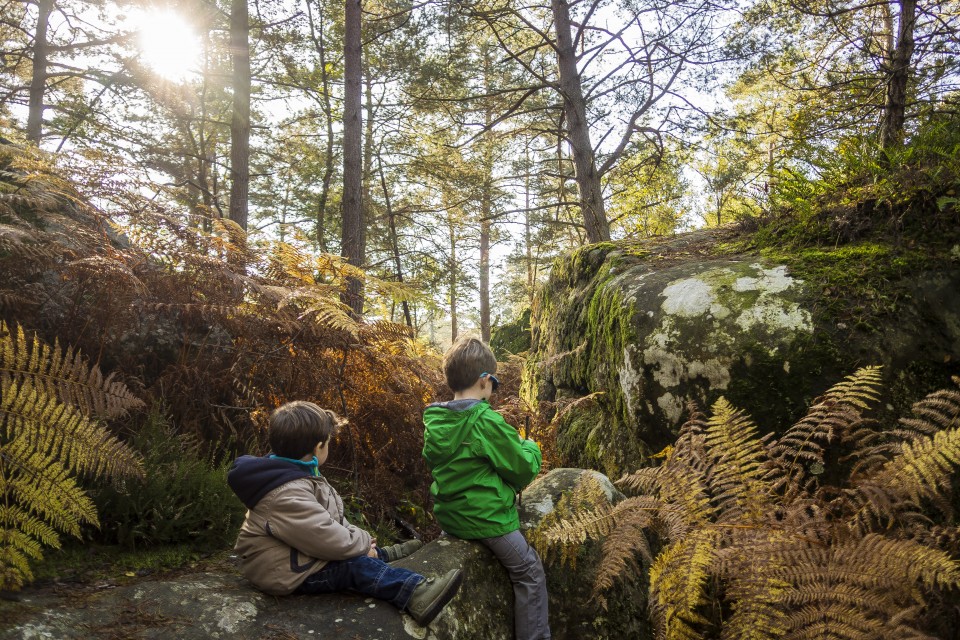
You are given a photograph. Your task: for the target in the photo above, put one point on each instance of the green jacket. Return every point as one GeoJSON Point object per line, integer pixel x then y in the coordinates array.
{"type": "Point", "coordinates": [478, 463]}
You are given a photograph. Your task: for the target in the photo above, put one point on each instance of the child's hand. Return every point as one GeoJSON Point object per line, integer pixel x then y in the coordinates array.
{"type": "Point", "coordinates": [372, 552]}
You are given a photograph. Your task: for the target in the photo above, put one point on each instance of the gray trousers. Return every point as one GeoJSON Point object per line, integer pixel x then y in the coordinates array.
{"type": "Point", "coordinates": [529, 584]}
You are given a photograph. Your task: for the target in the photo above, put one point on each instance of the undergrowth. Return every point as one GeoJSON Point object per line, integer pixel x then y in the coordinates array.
{"type": "Point", "coordinates": [843, 527]}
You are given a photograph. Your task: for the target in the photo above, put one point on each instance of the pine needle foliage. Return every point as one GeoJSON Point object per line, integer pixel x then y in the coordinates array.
{"type": "Point", "coordinates": [51, 403]}
{"type": "Point", "coordinates": [839, 528]}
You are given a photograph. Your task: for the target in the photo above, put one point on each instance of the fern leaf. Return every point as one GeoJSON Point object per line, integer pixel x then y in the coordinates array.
{"type": "Point", "coordinates": [624, 542]}
{"type": "Point", "coordinates": [15, 518]}
{"type": "Point", "coordinates": [924, 467]}
{"type": "Point", "coordinates": [63, 374]}
{"type": "Point", "coordinates": [678, 578]}
{"type": "Point", "coordinates": [581, 526]}
{"type": "Point", "coordinates": [66, 435]}
{"type": "Point", "coordinates": [939, 411]}
{"type": "Point", "coordinates": [736, 479]}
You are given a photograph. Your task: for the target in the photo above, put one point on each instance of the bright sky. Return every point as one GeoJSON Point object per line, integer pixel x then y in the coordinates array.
{"type": "Point", "coordinates": [167, 42]}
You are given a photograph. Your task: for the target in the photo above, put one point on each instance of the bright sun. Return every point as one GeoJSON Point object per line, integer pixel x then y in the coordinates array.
{"type": "Point", "coordinates": [168, 44]}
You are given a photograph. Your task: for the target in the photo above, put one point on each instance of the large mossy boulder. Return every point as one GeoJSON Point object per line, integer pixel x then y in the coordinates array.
{"type": "Point", "coordinates": [639, 330]}
{"type": "Point", "coordinates": [218, 603]}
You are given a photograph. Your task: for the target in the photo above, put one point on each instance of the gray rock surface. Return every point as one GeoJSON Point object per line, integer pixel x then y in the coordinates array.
{"type": "Point", "coordinates": [645, 328]}
{"type": "Point", "coordinates": [221, 604]}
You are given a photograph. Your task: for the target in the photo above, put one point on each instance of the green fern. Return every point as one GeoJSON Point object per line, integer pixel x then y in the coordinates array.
{"type": "Point", "coordinates": [50, 402]}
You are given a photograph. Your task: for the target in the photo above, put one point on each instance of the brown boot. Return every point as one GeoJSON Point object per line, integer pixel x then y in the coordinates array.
{"type": "Point", "coordinates": [432, 595]}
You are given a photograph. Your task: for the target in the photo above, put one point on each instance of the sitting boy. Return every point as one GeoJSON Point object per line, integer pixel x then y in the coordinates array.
{"type": "Point", "coordinates": [479, 463]}
{"type": "Point", "coordinates": [295, 538]}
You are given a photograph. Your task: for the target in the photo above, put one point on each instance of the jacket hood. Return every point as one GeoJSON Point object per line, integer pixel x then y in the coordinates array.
{"type": "Point", "coordinates": [252, 477]}
{"type": "Point", "coordinates": [446, 428]}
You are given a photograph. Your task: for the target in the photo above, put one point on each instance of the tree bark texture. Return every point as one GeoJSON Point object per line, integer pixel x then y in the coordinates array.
{"type": "Point", "coordinates": [454, 329]}
{"type": "Point", "coordinates": [486, 215]}
{"type": "Point", "coordinates": [240, 122]}
{"type": "Point", "coordinates": [897, 69]}
{"type": "Point", "coordinates": [578, 129]}
{"type": "Point", "coordinates": [352, 236]}
{"type": "Point", "coordinates": [38, 82]}
{"type": "Point", "coordinates": [317, 36]}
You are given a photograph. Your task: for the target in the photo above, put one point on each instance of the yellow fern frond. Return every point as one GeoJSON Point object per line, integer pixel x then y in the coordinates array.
{"type": "Point", "coordinates": [678, 579]}
{"type": "Point", "coordinates": [58, 430]}
{"type": "Point", "coordinates": [924, 467]}
{"type": "Point", "coordinates": [63, 374]}
{"type": "Point", "coordinates": [736, 481]}
{"type": "Point", "coordinates": [16, 518]}
{"type": "Point", "coordinates": [580, 526]}
{"type": "Point", "coordinates": [48, 432]}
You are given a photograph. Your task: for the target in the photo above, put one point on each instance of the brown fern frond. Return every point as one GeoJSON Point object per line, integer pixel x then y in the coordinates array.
{"type": "Point", "coordinates": [831, 418]}
{"type": "Point", "coordinates": [14, 300]}
{"type": "Point", "coordinates": [753, 590]}
{"type": "Point", "coordinates": [623, 543]}
{"type": "Point", "coordinates": [939, 411]}
{"type": "Point", "coordinates": [835, 621]}
{"type": "Point", "coordinates": [104, 267]}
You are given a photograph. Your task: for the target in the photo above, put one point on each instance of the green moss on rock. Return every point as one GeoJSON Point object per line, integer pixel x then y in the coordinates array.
{"type": "Point", "coordinates": [649, 330]}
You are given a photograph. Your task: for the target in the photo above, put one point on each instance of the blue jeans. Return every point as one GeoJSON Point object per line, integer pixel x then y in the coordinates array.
{"type": "Point", "coordinates": [368, 576]}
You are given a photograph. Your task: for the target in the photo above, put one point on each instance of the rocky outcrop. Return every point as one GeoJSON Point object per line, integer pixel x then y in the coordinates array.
{"type": "Point", "coordinates": [644, 329]}
{"type": "Point", "coordinates": [220, 604]}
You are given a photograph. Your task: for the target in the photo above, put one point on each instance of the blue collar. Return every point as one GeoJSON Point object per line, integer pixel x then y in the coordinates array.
{"type": "Point", "coordinates": [312, 466]}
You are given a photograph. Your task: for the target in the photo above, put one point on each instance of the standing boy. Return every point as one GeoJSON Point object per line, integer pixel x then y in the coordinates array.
{"type": "Point", "coordinates": [295, 538]}
{"type": "Point", "coordinates": [479, 463]}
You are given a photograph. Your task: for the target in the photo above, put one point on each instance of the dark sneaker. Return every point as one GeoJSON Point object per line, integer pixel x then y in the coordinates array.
{"type": "Point", "coordinates": [432, 595]}
{"type": "Point", "coordinates": [402, 550]}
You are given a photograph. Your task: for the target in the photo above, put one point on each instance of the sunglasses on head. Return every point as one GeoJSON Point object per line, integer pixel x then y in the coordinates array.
{"type": "Point", "coordinates": [493, 380]}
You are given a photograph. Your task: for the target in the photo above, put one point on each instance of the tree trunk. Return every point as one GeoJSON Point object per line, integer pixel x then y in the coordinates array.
{"type": "Point", "coordinates": [328, 115]}
{"type": "Point", "coordinates": [38, 82]}
{"type": "Point", "coordinates": [897, 69]}
{"type": "Point", "coordinates": [486, 212]}
{"type": "Point", "coordinates": [367, 213]}
{"type": "Point", "coordinates": [394, 243]}
{"type": "Point", "coordinates": [240, 123]}
{"type": "Point", "coordinates": [352, 239]}
{"type": "Point", "coordinates": [527, 231]}
{"type": "Point", "coordinates": [578, 130]}
{"type": "Point", "coordinates": [454, 330]}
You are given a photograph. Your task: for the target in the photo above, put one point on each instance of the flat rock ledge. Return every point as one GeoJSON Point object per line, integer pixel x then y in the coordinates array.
{"type": "Point", "coordinates": [204, 605]}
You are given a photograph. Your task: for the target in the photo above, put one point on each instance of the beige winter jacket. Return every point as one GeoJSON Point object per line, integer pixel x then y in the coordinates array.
{"type": "Point", "coordinates": [293, 531]}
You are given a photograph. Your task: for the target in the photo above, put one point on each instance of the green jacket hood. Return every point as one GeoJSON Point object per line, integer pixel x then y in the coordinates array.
{"type": "Point", "coordinates": [445, 430]}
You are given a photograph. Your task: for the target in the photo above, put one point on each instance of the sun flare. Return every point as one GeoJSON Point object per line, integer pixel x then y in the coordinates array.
{"type": "Point", "coordinates": [168, 44]}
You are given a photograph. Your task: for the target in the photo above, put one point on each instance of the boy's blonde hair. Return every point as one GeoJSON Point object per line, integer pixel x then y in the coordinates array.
{"type": "Point", "coordinates": [465, 361]}
{"type": "Point", "coordinates": [296, 428]}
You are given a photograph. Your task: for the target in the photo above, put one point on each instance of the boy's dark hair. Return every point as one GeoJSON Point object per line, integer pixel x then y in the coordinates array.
{"type": "Point", "coordinates": [465, 361]}
{"type": "Point", "coordinates": [296, 428]}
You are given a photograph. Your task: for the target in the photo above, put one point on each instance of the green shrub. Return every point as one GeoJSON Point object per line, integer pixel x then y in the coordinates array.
{"type": "Point", "coordinates": [183, 498]}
